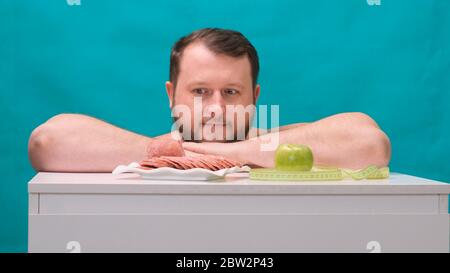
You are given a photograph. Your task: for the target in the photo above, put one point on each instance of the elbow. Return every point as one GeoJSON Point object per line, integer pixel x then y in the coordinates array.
{"type": "Point", "coordinates": [377, 148]}
{"type": "Point", "coordinates": [41, 143]}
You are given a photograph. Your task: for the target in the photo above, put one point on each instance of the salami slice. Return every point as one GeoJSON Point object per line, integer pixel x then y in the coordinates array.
{"type": "Point", "coordinates": [210, 165]}
{"type": "Point", "coordinates": [210, 162]}
{"type": "Point", "coordinates": [178, 160]}
{"type": "Point", "coordinates": [232, 162]}
{"type": "Point", "coordinates": [154, 162]}
{"type": "Point", "coordinates": [217, 162]}
{"type": "Point", "coordinates": [187, 160]}
{"type": "Point", "coordinates": [171, 163]}
{"type": "Point", "coordinates": [149, 163]}
{"type": "Point", "coordinates": [145, 168]}
{"type": "Point", "coordinates": [197, 163]}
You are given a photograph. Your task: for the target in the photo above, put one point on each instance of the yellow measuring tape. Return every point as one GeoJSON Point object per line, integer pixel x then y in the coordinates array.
{"type": "Point", "coordinates": [320, 174]}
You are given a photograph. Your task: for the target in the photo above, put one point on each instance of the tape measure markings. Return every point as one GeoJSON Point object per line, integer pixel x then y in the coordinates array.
{"type": "Point", "coordinates": [320, 174]}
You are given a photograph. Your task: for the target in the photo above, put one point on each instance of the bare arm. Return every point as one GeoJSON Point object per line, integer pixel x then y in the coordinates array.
{"type": "Point", "coordinates": [348, 140]}
{"type": "Point", "coordinates": [79, 143]}
{"type": "Point", "coordinates": [260, 132]}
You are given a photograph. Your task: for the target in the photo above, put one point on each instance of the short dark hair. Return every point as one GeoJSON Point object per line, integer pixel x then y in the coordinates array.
{"type": "Point", "coordinates": [221, 41]}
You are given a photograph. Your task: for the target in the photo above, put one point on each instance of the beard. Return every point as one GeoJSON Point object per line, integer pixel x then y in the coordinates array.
{"type": "Point", "coordinates": [232, 131]}
{"type": "Point", "coordinates": [229, 134]}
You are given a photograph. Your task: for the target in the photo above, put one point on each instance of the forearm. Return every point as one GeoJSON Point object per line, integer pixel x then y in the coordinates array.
{"type": "Point", "coordinates": [78, 143]}
{"type": "Point", "coordinates": [348, 140]}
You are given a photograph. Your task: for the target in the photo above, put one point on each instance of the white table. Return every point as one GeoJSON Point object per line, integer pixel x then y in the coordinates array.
{"type": "Point", "coordinates": [106, 213]}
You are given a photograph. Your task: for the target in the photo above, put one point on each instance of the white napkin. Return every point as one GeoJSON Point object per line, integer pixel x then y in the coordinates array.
{"type": "Point", "coordinates": [166, 173]}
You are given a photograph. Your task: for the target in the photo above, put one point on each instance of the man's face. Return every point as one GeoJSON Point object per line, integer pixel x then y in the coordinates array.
{"type": "Point", "coordinates": [218, 82]}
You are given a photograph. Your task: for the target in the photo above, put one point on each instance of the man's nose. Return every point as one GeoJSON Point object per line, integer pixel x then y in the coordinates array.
{"type": "Point", "coordinates": [215, 104]}
{"type": "Point", "coordinates": [216, 98]}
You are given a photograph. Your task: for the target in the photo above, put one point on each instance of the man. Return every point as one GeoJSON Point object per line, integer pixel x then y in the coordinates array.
{"type": "Point", "coordinates": [217, 68]}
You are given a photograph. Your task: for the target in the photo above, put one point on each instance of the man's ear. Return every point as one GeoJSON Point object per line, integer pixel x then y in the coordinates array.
{"type": "Point", "coordinates": [256, 93]}
{"type": "Point", "coordinates": [170, 92]}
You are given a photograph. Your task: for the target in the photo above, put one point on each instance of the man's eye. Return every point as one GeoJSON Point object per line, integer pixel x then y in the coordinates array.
{"type": "Point", "coordinates": [231, 91]}
{"type": "Point", "coordinates": [200, 91]}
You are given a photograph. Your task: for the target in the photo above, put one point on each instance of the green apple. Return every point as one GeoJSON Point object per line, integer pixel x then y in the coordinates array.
{"type": "Point", "coordinates": [293, 157]}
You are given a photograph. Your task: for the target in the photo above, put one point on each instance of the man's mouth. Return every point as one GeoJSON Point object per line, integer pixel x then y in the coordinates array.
{"type": "Point", "coordinates": [215, 124]}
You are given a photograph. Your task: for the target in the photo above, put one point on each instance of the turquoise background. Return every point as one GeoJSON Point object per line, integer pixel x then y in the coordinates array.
{"type": "Point", "coordinates": [110, 59]}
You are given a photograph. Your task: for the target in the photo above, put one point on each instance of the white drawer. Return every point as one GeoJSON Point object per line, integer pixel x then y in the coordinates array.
{"type": "Point", "coordinates": [239, 233]}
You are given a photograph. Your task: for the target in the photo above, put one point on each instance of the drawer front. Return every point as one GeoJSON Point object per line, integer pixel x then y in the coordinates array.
{"type": "Point", "coordinates": [310, 204]}
{"type": "Point", "coordinates": [238, 233]}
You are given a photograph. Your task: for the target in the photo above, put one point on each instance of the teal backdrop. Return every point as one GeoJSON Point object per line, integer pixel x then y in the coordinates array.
{"type": "Point", "coordinates": [110, 59]}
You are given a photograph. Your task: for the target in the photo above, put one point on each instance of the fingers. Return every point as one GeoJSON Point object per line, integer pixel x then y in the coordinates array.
{"type": "Point", "coordinates": [164, 147]}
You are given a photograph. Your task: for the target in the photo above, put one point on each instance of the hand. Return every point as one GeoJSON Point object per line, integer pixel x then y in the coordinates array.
{"type": "Point", "coordinates": [235, 151]}
{"type": "Point", "coordinates": [164, 147]}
